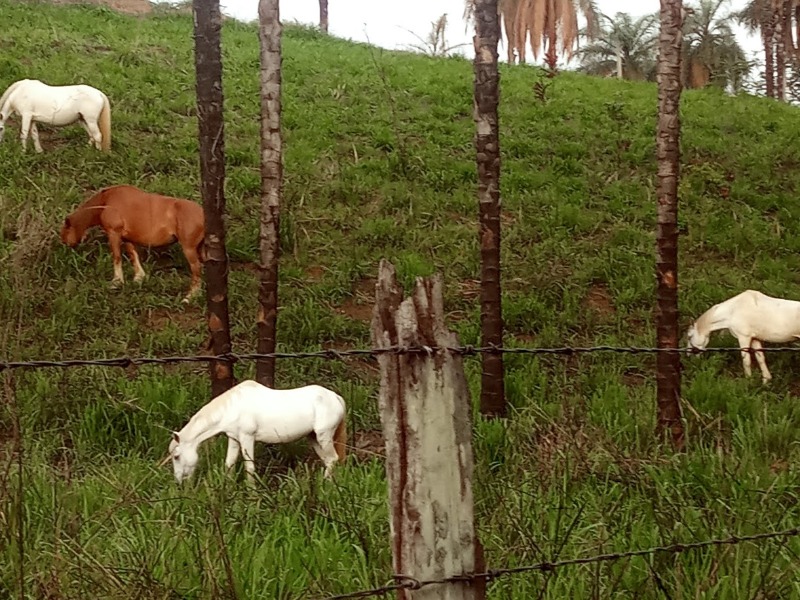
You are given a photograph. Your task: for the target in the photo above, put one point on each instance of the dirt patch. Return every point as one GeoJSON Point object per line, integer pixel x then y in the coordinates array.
{"type": "Point", "coordinates": [129, 7]}
{"type": "Point", "coordinates": [186, 319]}
{"type": "Point", "coordinates": [634, 379]}
{"type": "Point", "coordinates": [599, 299]}
{"type": "Point", "coordinates": [367, 445]}
{"type": "Point", "coordinates": [244, 265]}
{"type": "Point", "coordinates": [469, 288]}
{"type": "Point", "coordinates": [359, 305]}
{"type": "Point", "coordinates": [356, 311]}
{"type": "Point", "coordinates": [315, 273]}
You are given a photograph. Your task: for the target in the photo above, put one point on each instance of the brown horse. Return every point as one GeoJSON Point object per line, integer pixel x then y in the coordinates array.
{"type": "Point", "coordinates": [131, 216]}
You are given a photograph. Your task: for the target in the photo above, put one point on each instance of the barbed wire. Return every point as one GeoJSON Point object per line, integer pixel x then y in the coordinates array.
{"type": "Point", "coordinates": [333, 354]}
{"type": "Point", "coordinates": [405, 582]}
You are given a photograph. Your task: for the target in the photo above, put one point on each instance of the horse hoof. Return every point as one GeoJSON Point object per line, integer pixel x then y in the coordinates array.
{"type": "Point", "coordinates": [116, 284]}
{"type": "Point", "coordinates": [139, 279]}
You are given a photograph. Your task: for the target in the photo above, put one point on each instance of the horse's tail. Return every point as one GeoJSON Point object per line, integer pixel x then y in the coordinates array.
{"type": "Point", "coordinates": [340, 435]}
{"type": "Point", "coordinates": [105, 125]}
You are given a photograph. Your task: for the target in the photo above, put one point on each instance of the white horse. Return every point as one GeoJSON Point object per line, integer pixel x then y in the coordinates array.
{"type": "Point", "coordinates": [250, 412]}
{"type": "Point", "coordinates": [57, 105]}
{"type": "Point", "coordinates": [752, 317]}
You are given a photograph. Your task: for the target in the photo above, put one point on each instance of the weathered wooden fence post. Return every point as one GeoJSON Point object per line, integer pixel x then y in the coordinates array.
{"type": "Point", "coordinates": [426, 413]}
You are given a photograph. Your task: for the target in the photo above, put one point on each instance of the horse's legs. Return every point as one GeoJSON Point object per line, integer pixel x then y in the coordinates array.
{"type": "Point", "coordinates": [745, 342]}
{"type": "Point", "coordinates": [94, 133]}
{"type": "Point", "coordinates": [193, 258]}
{"type": "Point", "coordinates": [138, 271]}
{"type": "Point", "coordinates": [90, 141]}
{"type": "Point", "coordinates": [35, 136]}
{"type": "Point", "coordinates": [24, 129]}
{"type": "Point", "coordinates": [326, 451]}
{"type": "Point", "coordinates": [247, 444]}
{"type": "Point", "coordinates": [233, 453]}
{"type": "Point", "coordinates": [115, 241]}
{"type": "Point", "coordinates": [762, 361]}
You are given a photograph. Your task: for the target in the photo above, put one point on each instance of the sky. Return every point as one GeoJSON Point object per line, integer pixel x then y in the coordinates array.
{"type": "Point", "coordinates": [392, 25]}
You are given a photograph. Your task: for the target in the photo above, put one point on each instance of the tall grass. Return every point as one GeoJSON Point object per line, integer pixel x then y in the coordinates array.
{"type": "Point", "coordinates": [379, 163]}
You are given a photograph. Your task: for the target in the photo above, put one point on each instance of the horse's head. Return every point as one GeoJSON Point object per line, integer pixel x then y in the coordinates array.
{"type": "Point", "coordinates": [70, 234]}
{"type": "Point", "coordinates": [184, 458]}
{"type": "Point", "coordinates": [697, 340]}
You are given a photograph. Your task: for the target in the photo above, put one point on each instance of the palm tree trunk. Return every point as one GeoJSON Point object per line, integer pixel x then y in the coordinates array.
{"type": "Point", "coordinates": [508, 27]}
{"type": "Point", "coordinates": [780, 47]}
{"type": "Point", "coordinates": [271, 185]}
{"type": "Point", "coordinates": [797, 31]}
{"type": "Point", "coordinates": [323, 16]}
{"type": "Point", "coordinates": [211, 138]}
{"type": "Point", "coordinates": [668, 364]}
{"type": "Point", "coordinates": [551, 58]}
{"type": "Point", "coordinates": [769, 63]}
{"type": "Point", "coordinates": [788, 37]}
{"type": "Point", "coordinates": [487, 145]}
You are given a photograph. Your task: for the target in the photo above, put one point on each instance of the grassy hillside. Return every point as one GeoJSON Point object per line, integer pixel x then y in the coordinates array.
{"type": "Point", "coordinates": [379, 163]}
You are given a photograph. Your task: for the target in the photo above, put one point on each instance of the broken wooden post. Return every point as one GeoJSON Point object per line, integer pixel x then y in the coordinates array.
{"type": "Point", "coordinates": [426, 414]}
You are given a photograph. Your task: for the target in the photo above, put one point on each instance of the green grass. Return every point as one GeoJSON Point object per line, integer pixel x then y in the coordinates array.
{"type": "Point", "coordinates": [379, 163]}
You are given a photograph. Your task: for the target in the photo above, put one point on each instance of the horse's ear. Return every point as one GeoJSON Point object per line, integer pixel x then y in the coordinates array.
{"type": "Point", "coordinates": [67, 222]}
{"type": "Point", "coordinates": [176, 437]}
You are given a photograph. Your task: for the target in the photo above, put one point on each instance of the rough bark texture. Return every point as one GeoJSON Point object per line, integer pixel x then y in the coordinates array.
{"type": "Point", "coordinates": [769, 60]}
{"type": "Point", "coordinates": [668, 373]}
{"type": "Point", "coordinates": [271, 185]}
{"type": "Point", "coordinates": [487, 145]}
{"type": "Point", "coordinates": [425, 410]}
{"type": "Point", "coordinates": [211, 134]}
{"type": "Point", "coordinates": [780, 51]}
{"type": "Point", "coordinates": [323, 16]}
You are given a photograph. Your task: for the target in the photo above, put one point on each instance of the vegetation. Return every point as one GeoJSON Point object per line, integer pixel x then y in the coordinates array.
{"type": "Point", "coordinates": [711, 52]}
{"type": "Point", "coordinates": [625, 48]}
{"type": "Point", "coordinates": [379, 162]}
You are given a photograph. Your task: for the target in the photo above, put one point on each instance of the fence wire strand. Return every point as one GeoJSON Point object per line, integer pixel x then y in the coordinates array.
{"type": "Point", "coordinates": [405, 582]}
{"type": "Point", "coordinates": [332, 354]}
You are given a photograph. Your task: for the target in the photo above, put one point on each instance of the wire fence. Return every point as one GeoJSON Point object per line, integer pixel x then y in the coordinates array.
{"type": "Point", "coordinates": [404, 582]}
{"type": "Point", "coordinates": [333, 354]}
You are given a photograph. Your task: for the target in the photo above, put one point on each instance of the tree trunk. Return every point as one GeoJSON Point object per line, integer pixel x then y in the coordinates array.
{"type": "Point", "coordinates": [211, 137]}
{"type": "Point", "coordinates": [780, 48]}
{"type": "Point", "coordinates": [487, 145]}
{"type": "Point", "coordinates": [769, 63]}
{"type": "Point", "coordinates": [323, 16]}
{"type": "Point", "coordinates": [271, 185]}
{"type": "Point", "coordinates": [620, 73]}
{"type": "Point", "coordinates": [668, 364]}
{"type": "Point", "coordinates": [551, 57]}
{"type": "Point", "coordinates": [788, 33]}
{"type": "Point", "coordinates": [797, 31]}
{"type": "Point", "coordinates": [509, 27]}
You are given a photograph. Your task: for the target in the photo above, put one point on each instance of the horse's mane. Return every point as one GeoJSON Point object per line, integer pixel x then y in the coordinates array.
{"type": "Point", "coordinates": [705, 320]}
{"type": "Point", "coordinates": [86, 214]}
{"type": "Point", "coordinates": [97, 199]}
{"type": "Point", "coordinates": [207, 415]}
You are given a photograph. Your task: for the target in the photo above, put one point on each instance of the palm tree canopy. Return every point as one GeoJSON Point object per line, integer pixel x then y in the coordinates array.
{"type": "Point", "coordinates": [711, 52]}
{"type": "Point", "coordinates": [537, 21]}
{"type": "Point", "coordinates": [633, 41]}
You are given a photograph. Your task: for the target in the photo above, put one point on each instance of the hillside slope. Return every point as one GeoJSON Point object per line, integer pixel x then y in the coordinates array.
{"type": "Point", "coordinates": [379, 163]}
